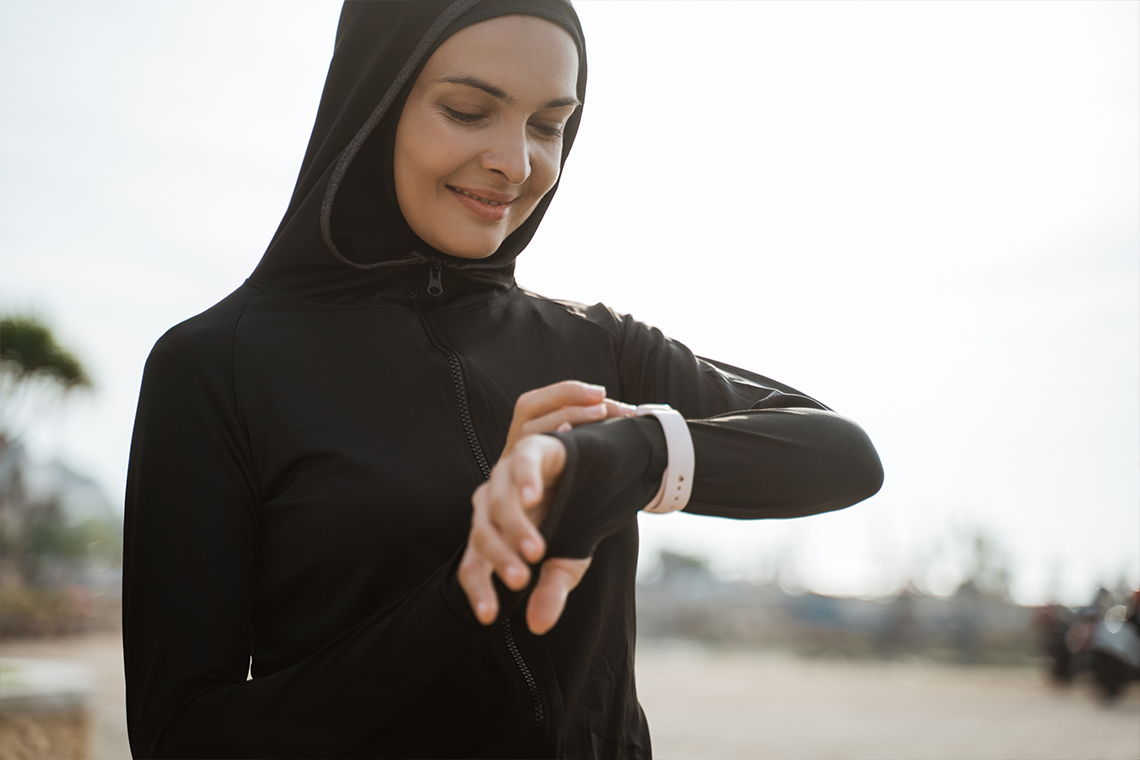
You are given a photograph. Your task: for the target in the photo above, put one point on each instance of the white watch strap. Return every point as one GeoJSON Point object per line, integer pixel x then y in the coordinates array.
{"type": "Point", "coordinates": [677, 482]}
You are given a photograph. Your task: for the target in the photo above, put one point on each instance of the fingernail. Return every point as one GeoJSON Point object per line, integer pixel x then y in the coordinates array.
{"type": "Point", "coordinates": [596, 388]}
{"type": "Point", "coordinates": [626, 409]}
{"type": "Point", "coordinates": [530, 493]}
{"type": "Point", "coordinates": [563, 427]}
{"type": "Point", "coordinates": [597, 411]}
{"type": "Point", "coordinates": [529, 547]}
{"type": "Point", "coordinates": [482, 609]}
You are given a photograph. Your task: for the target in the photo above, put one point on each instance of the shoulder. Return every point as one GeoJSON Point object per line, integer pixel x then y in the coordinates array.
{"type": "Point", "coordinates": [203, 342]}
{"type": "Point", "coordinates": [599, 315]}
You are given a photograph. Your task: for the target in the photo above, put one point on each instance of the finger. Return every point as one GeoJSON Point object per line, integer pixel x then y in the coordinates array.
{"type": "Point", "coordinates": [515, 488]}
{"type": "Point", "coordinates": [574, 415]}
{"type": "Point", "coordinates": [548, 399]}
{"type": "Point", "coordinates": [542, 401]}
{"type": "Point", "coordinates": [616, 409]}
{"type": "Point", "coordinates": [536, 463]}
{"type": "Point", "coordinates": [551, 461]}
{"type": "Point", "coordinates": [506, 563]}
{"type": "Point", "coordinates": [558, 577]}
{"type": "Point", "coordinates": [488, 542]}
{"type": "Point", "coordinates": [509, 507]}
{"type": "Point", "coordinates": [475, 580]}
{"type": "Point", "coordinates": [489, 539]}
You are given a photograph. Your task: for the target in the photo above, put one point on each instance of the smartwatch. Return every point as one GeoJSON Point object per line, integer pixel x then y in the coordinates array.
{"type": "Point", "coordinates": [677, 482]}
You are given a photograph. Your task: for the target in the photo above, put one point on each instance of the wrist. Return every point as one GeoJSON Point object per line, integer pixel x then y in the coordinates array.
{"type": "Point", "coordinates": [677, 481]}
{"type": "Point", "coordinates": [553, 453]}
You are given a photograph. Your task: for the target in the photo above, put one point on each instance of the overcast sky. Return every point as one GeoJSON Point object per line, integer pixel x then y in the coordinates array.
{"type": "Point", "coordinates": [927, 215]}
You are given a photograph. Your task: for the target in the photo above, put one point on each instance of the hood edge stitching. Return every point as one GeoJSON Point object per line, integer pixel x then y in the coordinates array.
{"type": "Point", "coordinates": [454, 11]}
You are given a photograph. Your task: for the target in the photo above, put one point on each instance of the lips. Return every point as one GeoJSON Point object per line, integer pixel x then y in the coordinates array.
{"type": "Point", "coordinates": [487, 204]}
{"type": "Point", "coordinates": [488, 197]}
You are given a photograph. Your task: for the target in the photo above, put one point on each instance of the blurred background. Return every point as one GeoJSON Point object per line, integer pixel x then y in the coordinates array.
{"type": "Point", "coordinates": [925, 215]}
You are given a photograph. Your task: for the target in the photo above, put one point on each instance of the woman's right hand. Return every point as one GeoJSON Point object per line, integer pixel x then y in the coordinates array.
{"type": "Point", "coordinates": [509, 508]}
{"type": "Point", "coordinates": [504, 536]}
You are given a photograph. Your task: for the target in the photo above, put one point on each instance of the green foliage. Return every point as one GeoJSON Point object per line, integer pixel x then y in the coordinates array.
{"type": "Point", "coordinates": [46, 535]}
{"type": "Point", "coordinates": [55, 539]}
{"type": "Point", "coordinates": [28, 349]}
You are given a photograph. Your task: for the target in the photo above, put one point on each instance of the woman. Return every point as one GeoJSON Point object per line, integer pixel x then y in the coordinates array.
{"type": "Point", "coordinates": [306, 452]}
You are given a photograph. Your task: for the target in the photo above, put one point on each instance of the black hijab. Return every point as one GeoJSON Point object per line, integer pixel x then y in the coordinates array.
{"type": "Point", "coordinates": [343, 236]}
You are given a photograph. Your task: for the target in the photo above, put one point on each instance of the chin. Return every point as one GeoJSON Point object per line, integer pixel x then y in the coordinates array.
{"type": "Point", "coordinates": [467, 251]}
{"type": "Point", "coordinates": [468, 246]}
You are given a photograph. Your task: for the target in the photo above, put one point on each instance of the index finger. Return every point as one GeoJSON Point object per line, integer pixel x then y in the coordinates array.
{"type": "Point", "coordinates": [615, 409]}
{"type": "Point", "coordinates": [550, 398]}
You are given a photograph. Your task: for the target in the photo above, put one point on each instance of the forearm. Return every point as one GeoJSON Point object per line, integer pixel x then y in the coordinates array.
{"type": "Point", "coordinates": [778, 463]}
{"type": "Point", "coordinates": [768, 463]}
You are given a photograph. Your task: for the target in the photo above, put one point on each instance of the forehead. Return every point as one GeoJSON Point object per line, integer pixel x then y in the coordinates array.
{"type": "Point", "coordinates": [521, 54]}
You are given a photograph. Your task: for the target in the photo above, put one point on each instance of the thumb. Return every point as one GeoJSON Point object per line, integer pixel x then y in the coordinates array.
{"type": "Point", "coordinates": [558, 577]}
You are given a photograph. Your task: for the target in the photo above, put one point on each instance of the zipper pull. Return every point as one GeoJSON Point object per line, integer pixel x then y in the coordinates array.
{"type": "Point", "coordinates": [435, 282]}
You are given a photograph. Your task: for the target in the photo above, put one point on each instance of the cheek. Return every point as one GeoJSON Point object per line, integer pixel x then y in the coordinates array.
{"type": "Point", "coordinates": [405, 170]}
{"type": "Point", "coordinates": [418, 162]}
{"type": "Point", "coordinates": [546, 168]}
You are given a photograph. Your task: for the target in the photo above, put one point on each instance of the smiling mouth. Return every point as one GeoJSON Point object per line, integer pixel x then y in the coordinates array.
{"type": "Point", "coordinates": [480, 198]}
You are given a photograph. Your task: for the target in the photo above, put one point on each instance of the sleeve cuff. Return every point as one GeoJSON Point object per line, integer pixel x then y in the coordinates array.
{"type": "Point", "coordinates": [613, 469]}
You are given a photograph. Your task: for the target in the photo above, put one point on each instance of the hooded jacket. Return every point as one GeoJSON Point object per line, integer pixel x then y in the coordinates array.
{"type": "Point", "coordinates": [305, 451]}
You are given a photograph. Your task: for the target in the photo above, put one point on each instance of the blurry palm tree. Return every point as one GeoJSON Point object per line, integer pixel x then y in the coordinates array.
{"type": "Point", "coordinates": [36, 539]}
{"type": "Point", "coordinates": [34, 370]}
{"type": "Point", "coordinates": [28, 351]}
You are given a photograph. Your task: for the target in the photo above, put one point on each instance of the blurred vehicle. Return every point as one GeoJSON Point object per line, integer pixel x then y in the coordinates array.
{"type": "Point", "coordinates": [1102, 639]}
{"type": "Point", "coordinates": [1053, 622]}
{"type": "Point", "coordinates": [1114, 649]}
{"type": "Point", "coordinates": [1079, 637]}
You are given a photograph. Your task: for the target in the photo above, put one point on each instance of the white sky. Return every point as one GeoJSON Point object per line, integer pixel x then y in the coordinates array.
{"type": "Point", "coordinates": [925, 214]}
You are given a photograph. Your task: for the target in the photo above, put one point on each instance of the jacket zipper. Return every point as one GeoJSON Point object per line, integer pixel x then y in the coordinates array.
{"type": "Point", "coordinates": [531, 683]}
{"type": "Point", "coordinates": [460, 390]}
{"type": "Point", "coordinates": [435, 280]}
{"type": "Point", "coordinates": [435, 288]}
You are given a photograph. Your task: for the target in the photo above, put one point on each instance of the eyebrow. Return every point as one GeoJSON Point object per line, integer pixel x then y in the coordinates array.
{"type": "Point", "coordinates": [499, 94]}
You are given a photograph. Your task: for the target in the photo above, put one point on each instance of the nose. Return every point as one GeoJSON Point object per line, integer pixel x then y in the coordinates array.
{"type": "Point", "coordinates": [509, 155]}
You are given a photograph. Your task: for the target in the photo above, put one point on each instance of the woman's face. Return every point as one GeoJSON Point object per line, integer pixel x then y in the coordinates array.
{"type": "Point", "coordinates": [479, 141]}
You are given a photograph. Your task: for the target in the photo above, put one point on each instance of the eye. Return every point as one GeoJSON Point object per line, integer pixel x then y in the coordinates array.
{"type": "Point", "coordinates": [547, 130]}
{"type": "Point", "coordinates": [461, 117]}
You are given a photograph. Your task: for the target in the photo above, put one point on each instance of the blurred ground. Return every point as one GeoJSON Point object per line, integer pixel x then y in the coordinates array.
{"type": "Point", "coordinates": [729, 705]}
{"type": "Point", "coordinates": [103, 654]}
{"type": "Point", "coordinates": [703, 704]}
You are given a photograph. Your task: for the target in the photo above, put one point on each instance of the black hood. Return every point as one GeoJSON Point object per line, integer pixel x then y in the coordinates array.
{"type": "Point", "coordinates": [343, 237]}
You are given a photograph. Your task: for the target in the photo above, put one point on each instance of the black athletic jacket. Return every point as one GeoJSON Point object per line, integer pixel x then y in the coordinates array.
{"type": "Point", "coordinates": [305, 452]}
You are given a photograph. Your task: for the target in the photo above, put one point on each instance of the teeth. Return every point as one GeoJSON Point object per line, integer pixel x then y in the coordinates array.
{"type": "Point", "coordinates": [481, 200]}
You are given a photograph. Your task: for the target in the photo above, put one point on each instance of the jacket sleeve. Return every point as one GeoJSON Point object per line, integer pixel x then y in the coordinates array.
{"type": "Point", "coordinates": [763, 449]}
{"type": "Point", "coordinates": [189, 571]}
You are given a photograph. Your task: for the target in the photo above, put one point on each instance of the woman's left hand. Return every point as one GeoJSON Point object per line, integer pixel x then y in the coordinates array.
{"type": "Point", "coordinates": [504, 538]}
